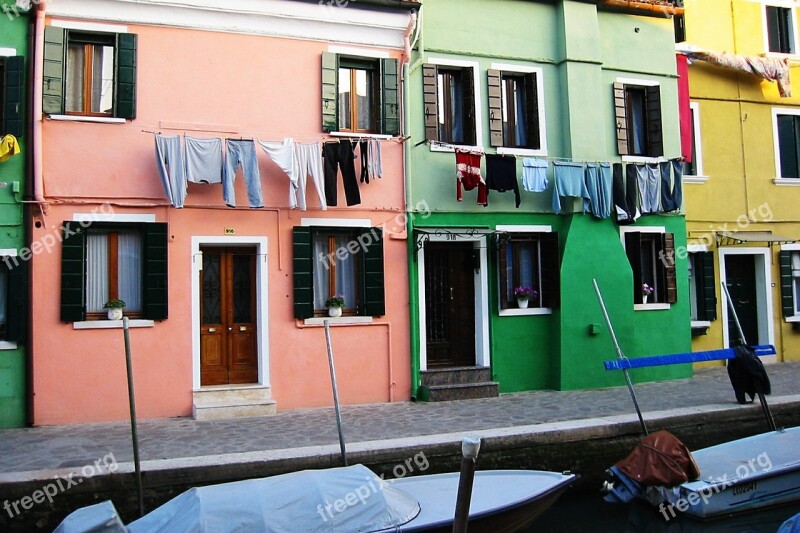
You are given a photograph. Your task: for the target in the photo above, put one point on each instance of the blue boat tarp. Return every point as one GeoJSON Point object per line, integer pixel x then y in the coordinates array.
{"type": "Point", "coordinates": [681, 358]}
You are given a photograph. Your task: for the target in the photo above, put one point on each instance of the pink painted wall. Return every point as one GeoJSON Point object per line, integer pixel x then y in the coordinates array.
{"type": "Point", "coordinates": [262, 87]}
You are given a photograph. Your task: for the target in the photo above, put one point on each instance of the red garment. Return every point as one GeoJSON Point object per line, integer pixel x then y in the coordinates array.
{"type": "Point", "coordinates": [468, 174]}
{"type": "Point", "coordinates": [684, 111]}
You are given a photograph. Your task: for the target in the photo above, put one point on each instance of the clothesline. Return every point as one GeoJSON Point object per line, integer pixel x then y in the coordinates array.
{"type": "Point", "coordinates": [272, 135]}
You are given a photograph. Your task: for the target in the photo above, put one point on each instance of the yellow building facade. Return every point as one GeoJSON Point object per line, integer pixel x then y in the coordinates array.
{"type": "Point", "coordinates": [742, 188]}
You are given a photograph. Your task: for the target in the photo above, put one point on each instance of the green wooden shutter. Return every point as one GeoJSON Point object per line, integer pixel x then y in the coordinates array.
{"type": "Point", "coordinates": [330, 92]}
{"type": "Point", "coordinates": [633, 246]}
{"type": "Point", "coordinates": [303, 276]}
{"type": "Point", "coordinates": [502, 268]}
{"type": "Point", "coordinates": [670, 283]}
{"type": "Point", "coordinates": [551, 270]}
{"type": "Point", "coordinates": [655, 138]}
{"type": "Point", "coordinates": [53, 73]}
{"type": "Point", "coordinates": [374, 298]}
{"type": "Point", "coordinates": [430, 97]}
{"type": "Point", "coordinates": [13, 96]}
{"type": "Point", "coordinates": [17, 301]}
{"type": "Point", "coordinates": [532, 111]}
{"type": "Point", "coordinates": [621, 118]}
{"type": "Point", "coordinates": [706, 288]}
{"type": "Point", "coordinates": [155, 275]}
{"type": "Point", "coordinates": [390, 97]}
{"type": "Point", "coordinates": [787, 283]}
{"type": "Point", "coordinates": [468, 82]}
{"type": "Point", "coordinates": [125, 76]}
{"type": "Point", "coordinates": [73, 272]}
{"type": "Point", "coordinates": [495, 83]}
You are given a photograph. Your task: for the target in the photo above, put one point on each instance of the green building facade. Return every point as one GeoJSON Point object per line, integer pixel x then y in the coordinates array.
{"type": "Point", "coordinates": [564, 83]}
{"type": "Point", "coordinates": [13, 259]}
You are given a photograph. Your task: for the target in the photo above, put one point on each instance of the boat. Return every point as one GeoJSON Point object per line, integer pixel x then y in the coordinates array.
{"type": "Point", "coordinates": [740, 475]}
{"type": "Point", "coordinates": [350, 498]}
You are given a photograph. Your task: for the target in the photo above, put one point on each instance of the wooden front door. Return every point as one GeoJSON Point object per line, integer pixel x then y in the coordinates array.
{"type": "Point", "coordinates": [740, 275]}
{"type": "Point", "coordinates": [450, 304]}
{"type": "Point", "coordinates": [228, 316]}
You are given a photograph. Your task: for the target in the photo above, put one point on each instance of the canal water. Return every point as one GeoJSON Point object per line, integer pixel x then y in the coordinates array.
{"type": "Point", "coordinates": [589, 513]}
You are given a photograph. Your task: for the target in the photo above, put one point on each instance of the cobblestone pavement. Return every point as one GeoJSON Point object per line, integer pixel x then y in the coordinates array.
{"type": "Point", "coordinates": [52, 447]}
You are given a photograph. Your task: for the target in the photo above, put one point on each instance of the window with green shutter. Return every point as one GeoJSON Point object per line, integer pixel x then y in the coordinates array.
{"type": "Point", "coordinates": [343, 262]}
{"type": "Point", "coordinates": [637, 113]}
{"type": "Point", "coordinates": [12, 95]}
{"type": "Point", "coordinates": [702, 286]}
{"type": "Point", "coordinates": [790, 282]}
{"type": "Point", "coordinates": [514, 120]}
{"type": "Point", "coordinates": [89, 73]}
{"type": "Point", "coordinates": [449, 104]}
{"type": "Point", "coordinates": [104, 261]}
{"type": "Point", "coordinates": [529, 260]}
{"type": "Point", "coordinates": [360, 95]}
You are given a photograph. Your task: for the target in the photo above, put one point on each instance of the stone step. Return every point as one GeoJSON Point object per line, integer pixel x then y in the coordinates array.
{"type": "Point", "coordinates": [456, 375]}
{"type": "Point", "coordinates": [228, 394]}
{"type": "Point", "coordinates": [470, 391]}
{"type": "Point", "coordinates": [212, 403]}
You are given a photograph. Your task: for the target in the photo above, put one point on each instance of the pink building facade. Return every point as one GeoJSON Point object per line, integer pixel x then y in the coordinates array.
{"type": "Point", "coordinates": [225, 304]}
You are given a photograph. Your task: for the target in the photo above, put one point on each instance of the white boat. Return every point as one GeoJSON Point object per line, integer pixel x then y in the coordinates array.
{"type": "Point", "coordinates": [340, 499]}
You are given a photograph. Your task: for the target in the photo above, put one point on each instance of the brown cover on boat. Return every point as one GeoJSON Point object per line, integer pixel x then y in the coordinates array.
{"type": "Point", "coordinates": [660, 459]}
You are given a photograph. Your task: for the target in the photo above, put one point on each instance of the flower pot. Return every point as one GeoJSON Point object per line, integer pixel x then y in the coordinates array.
{"type": "Point", "coordinates": [115, 313]}
{"type": "Point", "coordinates": [522, 304]}
{"type": "Point", "coordinates": [334, 311]}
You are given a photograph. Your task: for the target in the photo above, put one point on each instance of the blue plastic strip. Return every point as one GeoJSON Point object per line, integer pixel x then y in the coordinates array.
{"type": "Point", "coordinates": [678, 358]}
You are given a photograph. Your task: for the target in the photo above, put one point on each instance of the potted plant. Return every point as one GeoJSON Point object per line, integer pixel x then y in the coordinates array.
{"type": "Point", "coordinates": [335, 305]}
{"type": "Point", "coordinates": [114, 307]}
{"type": "Point", "coordinates": [647, 290]}
{"type": "Point", "coordinates": [523, 294]}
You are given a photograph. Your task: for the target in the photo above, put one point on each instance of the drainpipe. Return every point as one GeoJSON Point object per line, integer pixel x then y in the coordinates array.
{"type": "Point", "coordinates": [38, 76]}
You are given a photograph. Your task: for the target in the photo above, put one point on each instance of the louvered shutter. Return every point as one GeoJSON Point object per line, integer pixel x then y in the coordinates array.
{"type": "Point", "coordinates": [125, 76]}
{"type": "Point", "coordinates": [787, 283]}
{"type": "Point", "coordinates": [430, 98]}
{"type": "Point", "coordinates": [468, 82]}
{"type": "Point", "coordinates": [706, 288]}
{"type": "Point", "coordinates": [655, 137]}
{"type": "Point", "coordinates": [13, 96]}
{"type": "Point", "coordinates": [374, 298]}
{"type": "Point", "coordinates": [670, 283]}
{"type": "Point", "coordinates": [330, 92]}
{"type": "Point", "coordinates": [495, 91]}
{"type": "Point", "coordinates": [17, 301]}
{"type": "Point", "coordinates": [53, 72]}
{"type": "Point", "coordinates": [72, 272]}
{"type": "Point", "coordinates": [303, 276]}
{"type": "Point", "coordinates": [532, 111]}
{"type": "Point", "coordinates": [155, 274]}
{"type": "Point", "coordinates": [390, 97]}
{"type": "Point", "coordinates": [551, 270]}
{"type": "Point", "coordinates": [502, 268]}
{"type": "Point", "coordinates": [621, 118]}
{"type": "Point", "coordinates": [633, 245]}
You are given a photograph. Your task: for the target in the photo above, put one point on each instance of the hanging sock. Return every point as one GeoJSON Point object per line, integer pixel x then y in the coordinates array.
{"type": "Point", "coordinates": [169, 160]}
{"type": "Point", "coordinates": [468, 175]}
{"type": "Point", "coordinates": [501, 175]}
{"type": "Point", "coordinates": [203, 160]}
{"type": "Point", "coordinates": [242, 152]}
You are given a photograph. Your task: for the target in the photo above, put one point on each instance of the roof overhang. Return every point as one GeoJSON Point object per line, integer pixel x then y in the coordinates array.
{"type": "Point", "coordinates": [749, 237]}
{"type": "Point", "coordinates": [650, 8]}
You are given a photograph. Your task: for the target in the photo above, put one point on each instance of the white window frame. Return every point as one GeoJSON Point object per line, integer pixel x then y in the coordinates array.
{"type": "Point", "coordinates": [7, 252]}
{"type": "Point", "coordinates": [521, 69]}
{"type": "Point", "coordinates": [693, 249]}
{"type": "Point", "coordinates": [644, 229]}
{"type": "Point", "coordinates": [699, 176]}
{"type": "Point", "coordinates": [475, 66]}
{"type": "Point", "coordinates": [778, 180]}
{"type": "Point", "coordinates": [789, 4]}
{"type": "Point", "coordinates": [795, 249]}
{"type": "Point", "coordinates": [640, 158]}
{"type": "Point", "coordinates": [529, 310]}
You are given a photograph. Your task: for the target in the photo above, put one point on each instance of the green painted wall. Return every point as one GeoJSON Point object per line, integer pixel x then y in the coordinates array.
{"type": "Point", "coordinates": [13, 34]}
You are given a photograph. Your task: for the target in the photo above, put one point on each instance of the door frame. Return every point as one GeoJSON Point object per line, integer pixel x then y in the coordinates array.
{"type": "Point", "coordinates": [482, 352]}
{"type": "Point", "coordinates": [763, 286]}
{"type": "Point", "coordinates": [262, 302]}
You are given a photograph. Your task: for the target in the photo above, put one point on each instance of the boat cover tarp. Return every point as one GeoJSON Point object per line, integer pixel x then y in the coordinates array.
{"type": "Point", "coordinates": [660, 459]}
{"type": "Point", "coordinates": [346, 499]}
{"type": "Point", "coordinates": [98, 518]}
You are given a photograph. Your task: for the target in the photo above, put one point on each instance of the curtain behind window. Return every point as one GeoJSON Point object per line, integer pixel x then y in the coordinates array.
{"type": "Point", "coordinates": [76, 66]}
{"type": "Point", "coordinates": [638, 118]}
{"type": "Point", "coordinates": [520, 105]}
{"type": "Point", "coordinates": [96, 272]}
{"type": "Point", "coordinates": [130, 270]}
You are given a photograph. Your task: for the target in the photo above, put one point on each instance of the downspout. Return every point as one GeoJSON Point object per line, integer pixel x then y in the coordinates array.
{"type": "Point", "coordinates": [38, 77]}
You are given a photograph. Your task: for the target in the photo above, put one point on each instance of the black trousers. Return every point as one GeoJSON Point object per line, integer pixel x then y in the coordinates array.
{"type": "Point", "coordinates": [340, 156]}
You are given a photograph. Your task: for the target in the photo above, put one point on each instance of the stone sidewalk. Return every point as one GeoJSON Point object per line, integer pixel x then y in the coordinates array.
{"type": "Point", "coordinates": [29, 450]}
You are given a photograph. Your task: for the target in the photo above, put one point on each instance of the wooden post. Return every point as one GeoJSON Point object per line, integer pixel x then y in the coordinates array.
{"type": "Point", "coordinates": [469, 450]}
{"type": "Point", "coordinates": [132, 402]}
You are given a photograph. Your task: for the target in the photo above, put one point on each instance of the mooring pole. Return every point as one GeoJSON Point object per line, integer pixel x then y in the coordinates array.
{"type": "Point", "coordinates": [470, 446]}
{"type": "Point", "coordinates": [335, 393]}
{"type": "Point", "coordinates": [132, 402]}
{"type": "Point", "coordinates": [620, 355]}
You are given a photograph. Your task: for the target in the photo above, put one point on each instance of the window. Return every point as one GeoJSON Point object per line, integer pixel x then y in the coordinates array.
{"type": "Point", "coordinates": [788, 146]}
{"type": "Point", "coordinates": [360, 95]}
{"type": "Point", "coordinates": [780, 26]}
{"type": "Point", "coordinates": [514, 120]}
{"type": "Point", "coordinates": [790, 282]}
{"type": "Point", "coordinates": [89, 73]}
{"type": "Point", "coordinates": [695, 166]}
{"type": "Point", "coordinates": [102, 261]}
{"type": "Point", "coordinates": [638, 119]}
{"type": "Point", "coordinates": [13, 296]}
{"type": "Point", "coordinates": [702, 285]}
{"type": "Point", "coordinates": [449, 95]}
{"type": "Point", "coordinates": [529, 260]}
{"type": "Point", "coordinates": [651, 255]}
{"type": "Point", "coordinates": [338, 261]}
{"type": "Point", "coordinates": [12, 95]}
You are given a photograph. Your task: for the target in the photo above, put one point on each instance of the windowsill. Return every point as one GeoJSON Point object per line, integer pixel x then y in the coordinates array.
{"type": "Point", "coordinates": [795, 182]}
{"type": "Point", "coordinates": [6, 345]}
{"type": "Point", "coordinates": [650, 307]}
{"type": "Point", "coordinates": [320, 320]}
{"type": "Point", "coordinates": [112, 324]}
{"type": "Point", "coordinates": [701, 323]}
{"type": "Point", "coordinates": [81, 118]}
{"type": "Point", "coordinates": [382, 136]}
{"type": "Point", "coordinates": [443, 147]}
{"type": "Point", "coordinates": [795, 318]}
{"type": "Point", "coordinates": [643, 159]}
{"type": "Point", "coordinates": [780, 55]}
{"type": "Point", "coordinates": [531, 311]}
{"type": "Point", "coordinates": [695, 179]}
{"type": "Point", "coordinates": [502, 150]}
